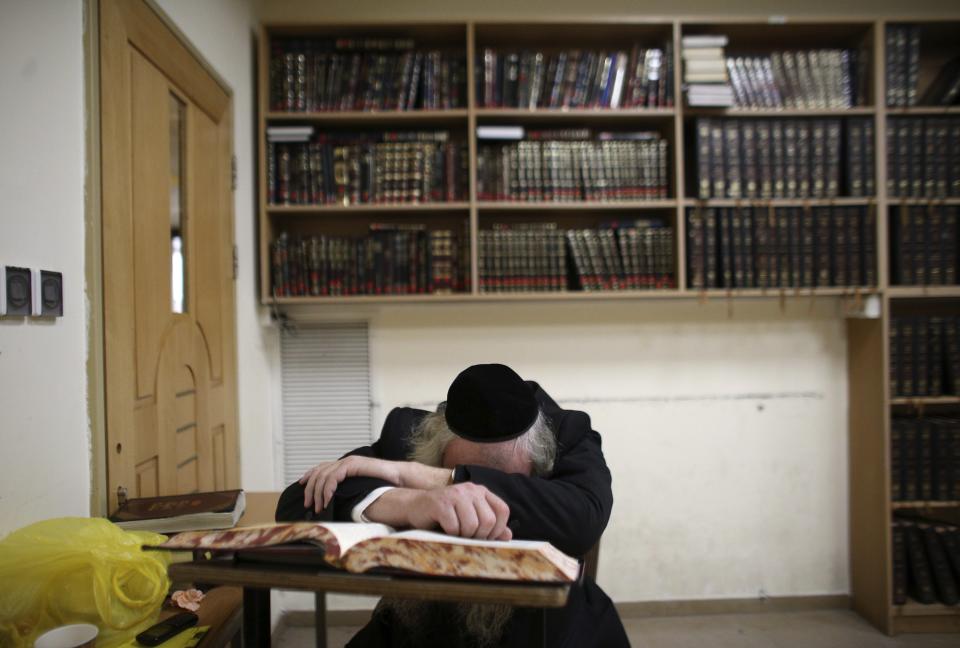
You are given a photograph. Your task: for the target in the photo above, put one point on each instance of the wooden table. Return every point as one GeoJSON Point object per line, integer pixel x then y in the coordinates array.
{"type": "Point", "coordinates": [257, 580]}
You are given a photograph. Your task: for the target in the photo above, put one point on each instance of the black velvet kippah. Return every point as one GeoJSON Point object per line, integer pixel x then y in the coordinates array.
{"type": "Point", "coordinates": [488, 403]}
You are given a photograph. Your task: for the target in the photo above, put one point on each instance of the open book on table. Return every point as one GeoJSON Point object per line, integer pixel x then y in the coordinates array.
{"type": "Point", "coordinates": [361, 547]}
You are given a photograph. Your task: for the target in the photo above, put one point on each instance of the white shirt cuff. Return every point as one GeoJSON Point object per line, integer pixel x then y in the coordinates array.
{"type": "Point", "coordinates": [357, 513]}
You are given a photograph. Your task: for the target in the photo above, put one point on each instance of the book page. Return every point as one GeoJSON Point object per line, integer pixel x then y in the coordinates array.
{"type": "Point", "coordinates": [350, 533]}
{"type": "Point", "coordinates": [438, 554]}
{"type": "Point", "coordinates": [433, 536]}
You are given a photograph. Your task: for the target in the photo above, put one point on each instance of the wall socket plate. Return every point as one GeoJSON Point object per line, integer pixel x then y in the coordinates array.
{"type": "Point", "coordinates": [16, 294]}
{"type": "Point", "coordinates": [47, 293]}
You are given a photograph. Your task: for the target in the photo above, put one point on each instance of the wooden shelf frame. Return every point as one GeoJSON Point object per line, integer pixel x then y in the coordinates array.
{"type": "Point", "coordinates": [870, 404]}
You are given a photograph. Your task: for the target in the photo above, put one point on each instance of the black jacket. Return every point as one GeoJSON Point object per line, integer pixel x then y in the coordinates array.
{"type": "Point", "coordinates": [569, 508]}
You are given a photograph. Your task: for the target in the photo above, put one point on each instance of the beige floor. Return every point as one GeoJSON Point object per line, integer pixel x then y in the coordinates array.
{"type": "Point", "coordinates": [819, 629]}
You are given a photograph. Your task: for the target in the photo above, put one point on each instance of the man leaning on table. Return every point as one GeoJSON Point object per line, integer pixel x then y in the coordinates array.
{"type": "Point", "coordinates": [498, 460]}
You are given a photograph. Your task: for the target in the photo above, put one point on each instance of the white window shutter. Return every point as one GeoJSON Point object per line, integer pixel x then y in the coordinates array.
{"type": "Point", "coordinates": [326, 394]}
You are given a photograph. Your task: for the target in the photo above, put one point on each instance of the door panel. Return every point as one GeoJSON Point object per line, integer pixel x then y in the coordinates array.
{"type": "Point", "coordinates": [208, 255]}
{"type": "Point", "coordinates": [167, 233]}
{"type": "Point", "coordinates": [150, 162]}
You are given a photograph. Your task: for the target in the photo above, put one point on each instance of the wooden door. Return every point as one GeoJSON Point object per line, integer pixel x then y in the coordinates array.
{"type": "Point", "coordinates": [168, 261]}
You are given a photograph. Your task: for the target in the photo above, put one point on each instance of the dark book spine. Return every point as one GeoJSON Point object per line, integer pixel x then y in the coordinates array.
{"type": "Point", "coordinates": [726, 248]}
{"type": "Point", "coordinates": [951, 339]}
{"type": "Point", "coordinates": [896, 461]}
{"type": "Point", "coordinates": [747, 247]}
{"type": "Point", "coordinates": [921, 350]}
{"type": "Point", "coordinates": [784, 247]}
{"type": "Point", "coordinates": [710, 242]}
{"type": "Point", "coordinates": [920, 580]}
{"type": "Point", "coordinates": [696, 255]}
{"type": "Point", "coordinates": [951, 545]}
{"type": "Point", "coordinates": [906, 380]}
{"type": "Point", "coordinates": [868, 237]}
{"type": "Point", "coordinates": [736, 245]}
{"type": "Point", "coordinates": [895, 350]}
{"type": "Point", "coordinates": [869, 170]}
{"type": "Point", "coordinates": [925, 457]}
{"type": "Point", "coordinates": [840, 250]}
{"type": "Point", "coordinates": [808, 248]}
{"type": "Point", "coordinates": [823, 245]}
{"type": "Point", "coordinates": [943, 579]}
{"type": "Point", "coordinates": [899, 564]}
{"type": "Point", "coordinates": [855, 259]}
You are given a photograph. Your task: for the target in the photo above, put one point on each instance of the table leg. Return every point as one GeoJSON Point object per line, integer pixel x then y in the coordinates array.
{"type": "Point", "coordinates": [539, 628]}
{"type": "Point", "coordinates": [320, 618]}
{"type": "Point", "coordinates": [256, 618]}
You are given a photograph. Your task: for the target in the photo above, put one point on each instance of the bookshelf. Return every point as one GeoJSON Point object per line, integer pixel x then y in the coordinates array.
{"type": "Point", "coordinates": [871, 402]}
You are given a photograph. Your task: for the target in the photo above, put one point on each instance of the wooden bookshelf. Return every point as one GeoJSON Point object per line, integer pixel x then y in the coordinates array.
{"type": "Point", "coordinates": [868, 355]}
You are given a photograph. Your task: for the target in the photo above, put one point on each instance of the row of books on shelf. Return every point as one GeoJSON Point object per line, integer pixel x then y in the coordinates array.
{"type": "Point", "coordinates": [367, 74]}
{"type": "Point", "coordinates": [575, 78]}
{"type": "Point", "coordinates": [903, 71]}
{"type": "Point", "coordinates": [540, 257]}
{"type": "Point", "coordinates": [923, 157]}
{"type": "Point", "coordinates": [784, 247]}
{"type": "Point", "coordinates": [924, 355]}
{"type": "Point", "coordinates": [924, 244]}
{"type": "Point", "coordinates": [831, 79]}
{"type": "Point", "coordinates": [572, 165]}
{"type": "Point", "coordinates": [925, 459]}
{"type": "Point", "coordinates": [783, 158]}
{"type": "Point", "coordinates": [390, 260]}
{"type": "Point", "coordinates": [374, 168]}
{"type": "Point", "coordinates": [704, 70]}
{"type": "Point", "coordinates": [926, 560]}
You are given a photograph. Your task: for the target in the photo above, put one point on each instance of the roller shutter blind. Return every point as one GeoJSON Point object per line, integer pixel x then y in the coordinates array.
{"type": "Point", "coordinates": [326, 394]}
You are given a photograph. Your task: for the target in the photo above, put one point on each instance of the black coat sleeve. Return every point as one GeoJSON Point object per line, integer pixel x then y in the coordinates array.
{"type": "Point", "coordinates": [571, 507]}
{"type": "Point", "coordinates": [393, 444]}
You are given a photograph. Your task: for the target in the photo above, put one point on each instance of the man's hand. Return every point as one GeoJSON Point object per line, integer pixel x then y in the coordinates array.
{"type": "Point", "coordinates": [466, 510]}
{"type": "Point", "coordinates": [321, 481]}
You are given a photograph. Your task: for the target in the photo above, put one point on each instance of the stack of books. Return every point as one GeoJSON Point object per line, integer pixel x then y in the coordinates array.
{"type": "Point", "coordinates": [926, 558]}
{"type": "Point", "coordinates": [575, 78]}
{"type": "Point", "coordinates": [635, 254]}
{"type": "Point", "coordinates": [783, 247]}
{"type": "Point", "coordinates": [569, 165]}
{"type": "Point", "coordinates": [366, 74]}
{"type": "Point", "coordinates": [924, 244]}
{"type": "Point", "coordinates": [705, 71]}
{"type": "Point", "coordinates": [924, 356]}
{"type": "Point", "coordinates": [346, 169]}
{"type": "Point", "coordinates": [825, 79]}
{"type": "Point", "coordinates": [925, 458]}
{"type": "Point", "coordinates": [923, 157]}
{"type": "Point", "coordinates": [394, 259]}
{"type": "Point", "coordinates": [175, 513]}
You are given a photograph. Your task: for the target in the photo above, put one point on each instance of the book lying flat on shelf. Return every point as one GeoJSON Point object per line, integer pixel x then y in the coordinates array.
{"type": "Point", "coordinates": [174, 513]}
{"type": "Point", "coordinates": [362, 547]}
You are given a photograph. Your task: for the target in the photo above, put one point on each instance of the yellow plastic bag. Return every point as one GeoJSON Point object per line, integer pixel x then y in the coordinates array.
{"type": "Point", "coordinates": [79, 570]}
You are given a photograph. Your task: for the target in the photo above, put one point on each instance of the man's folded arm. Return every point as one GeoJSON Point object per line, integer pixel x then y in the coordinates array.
{"type": "Point", "coordinates": [570, 509]}
{"type": "Point", "coordinates": [352, 490]}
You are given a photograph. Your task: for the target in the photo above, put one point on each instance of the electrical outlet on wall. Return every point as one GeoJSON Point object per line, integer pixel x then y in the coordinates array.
{"type": "Point", "coordinates": [47, 293]}
{"type": "Point", "coordinates": [16, 295]}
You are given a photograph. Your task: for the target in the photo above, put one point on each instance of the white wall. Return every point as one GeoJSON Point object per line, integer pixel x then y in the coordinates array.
{"type": "Point", "coordinates": [724, 429]}
{"type": "Point", "coordinates": [725, 434]}
{"type": "Point", "coordinates": [44, 431]}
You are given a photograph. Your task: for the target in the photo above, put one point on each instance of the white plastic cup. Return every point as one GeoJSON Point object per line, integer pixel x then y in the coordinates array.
{"type": "Point", "coordinates": [77, 635]}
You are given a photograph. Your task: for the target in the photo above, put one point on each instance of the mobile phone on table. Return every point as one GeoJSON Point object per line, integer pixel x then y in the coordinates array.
{"type": "Point", "coordinates": [169, 627]}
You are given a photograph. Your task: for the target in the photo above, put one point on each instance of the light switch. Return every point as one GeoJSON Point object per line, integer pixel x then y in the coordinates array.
{"type": "Point", "coordinates": [47, 293]}
{"type": "Point", "coordinates": [15, 292]}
